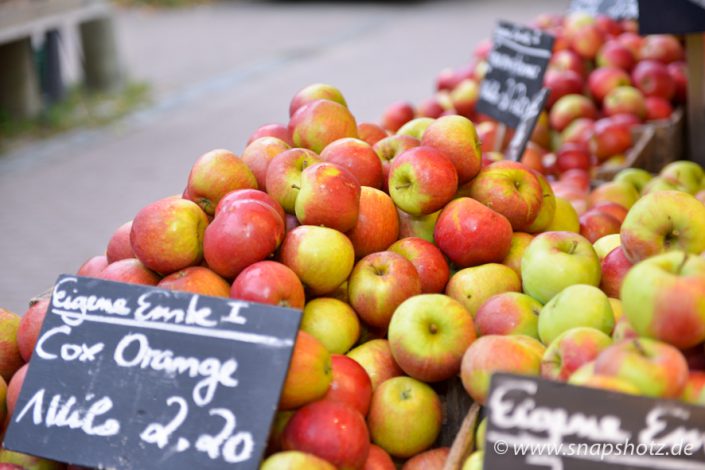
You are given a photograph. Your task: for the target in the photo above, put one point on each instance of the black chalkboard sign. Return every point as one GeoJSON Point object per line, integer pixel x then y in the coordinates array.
{"type": "Point", "coordinates": [538, 424]}
{"type": "Point", "coordinates": [617, 9]}
{"type": "Point", "coordinates": [516, 66]}
{"type": "Point", "coordinates": [672, 17]}
{"type": "Point", "coordinates": [526, 126]}
{"type": "Point", "coordinates": [134, 377]}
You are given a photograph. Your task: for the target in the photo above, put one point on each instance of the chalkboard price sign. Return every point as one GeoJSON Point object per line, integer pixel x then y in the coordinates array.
{"type": "Point", "coordinates": [523, 132]}
{"type": "Point", "coordinates": [676, 17]}
{"type": "Point", "coordinates": [134, 377]}
{"type": "Point", "coordinates": [516, 66]}
{"type": "Point", "coordinates": [539, 424]}
{"type": "Point", "coordinates": [617, 9]}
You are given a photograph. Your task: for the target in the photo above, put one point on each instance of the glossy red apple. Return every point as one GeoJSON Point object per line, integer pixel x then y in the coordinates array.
{"type": "Point", "coordinates": [269, 282]}
{"type": "Point", "coordinates": [396, 115]}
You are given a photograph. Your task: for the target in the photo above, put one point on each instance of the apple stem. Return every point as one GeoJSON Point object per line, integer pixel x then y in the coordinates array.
{"type": "Point", "coordinates": [573, 246]}
{"type": "Point", "coordinates": [640, 348]}
{"type": "Point", "coordinates": [402, 186]}
{"type": "Point", "coordinates": [295, 186]}
{"type": "Point", "coordinates": [682, 265]}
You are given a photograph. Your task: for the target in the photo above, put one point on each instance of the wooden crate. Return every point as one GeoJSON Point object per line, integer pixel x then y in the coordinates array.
{"type": "Point", "coordinates": [655, 145]}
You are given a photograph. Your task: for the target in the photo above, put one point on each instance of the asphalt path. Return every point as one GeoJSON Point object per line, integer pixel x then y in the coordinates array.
{"type": "Point", "coordinates": [218, 71]}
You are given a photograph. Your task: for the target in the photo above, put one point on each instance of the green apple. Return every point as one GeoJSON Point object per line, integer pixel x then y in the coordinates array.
{"type": "Point", "coordinates": [637, 177]}
{"type": "Point", "coordinates": [688, 175]}
{"type": "Point", "coordinates": [375, 356]}
{"type": "Point", "coordinates": [405, 416]}
{"type": "Point", "coordinates": [664, 221]}
{"type": "Point", "coordinates": [428, 336]}
{"type": "Point", "coordinates": [474, 461]}
{"type": "Point", "coordinates": [556, 260]}
{"type": "Point", "coordinates": [575, 306]}
{"type": "Point", "coordinates": [480, 434]}
{"type": "Point", "coordinates": [295, 460]}
{"type": "Point", "coordinates": [664, 298]}
{"type": "Point", "coordinates": [332, 322]}
{"type": "Point", "coordinates": [472, 287]}
{"type": "Point", "coordinates": [565, 218]}
{"type": "Point", "coordinates": [416, 127]}
{"type": "Point", "coordinates": [605, 244]}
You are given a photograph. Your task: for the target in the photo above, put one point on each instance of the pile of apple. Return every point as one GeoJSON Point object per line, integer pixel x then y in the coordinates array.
{"type": "Point", "coordinates": [604, 79]}
{"type": "Point", "coordinates": [415, 262]}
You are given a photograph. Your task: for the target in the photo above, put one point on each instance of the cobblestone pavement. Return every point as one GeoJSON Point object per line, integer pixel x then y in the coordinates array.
{"type": "Point", "coordinates": [218, 72]}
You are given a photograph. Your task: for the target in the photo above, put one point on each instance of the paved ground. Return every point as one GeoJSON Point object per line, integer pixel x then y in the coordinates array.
{"type": "Point", "coordinates": [218, 71]}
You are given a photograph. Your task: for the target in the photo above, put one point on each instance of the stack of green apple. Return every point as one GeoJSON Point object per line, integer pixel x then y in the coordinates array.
{"type": "Point", "coordinates": [415, 262]}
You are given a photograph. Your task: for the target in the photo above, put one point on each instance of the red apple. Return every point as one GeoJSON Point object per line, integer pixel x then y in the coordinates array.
{"type": "Point", "coordinates": [330, 430]}
{"type": "Point", "coordinates": [487, 132]}
{"type": "Point", "coordinates": [318, 123]}
{"type": "Point", "coordinates": [10, 357]}
{"type": "Point", "coordinates": [119, 246]}
{"type": "Point", "coordinates": [396, 115]}
{"type": "Point", "coordinates": [370, 132]}
{"type": "Point", "coordinates": [615, 267]}
{"type": "Point", "coordinates": [131, 271]}
{"type": "Point", "coordinates": [569, 108]}
{"type": "Point", "coordinates": [610, 138]}
{"type": "Point", "coordinates": [231, 199]}
{"type": "Point", "coordinates": [625, 99]}
{"type": "Point", "coordinates": [351, 384]}
{"type": "Point", "coordinates": [93, 266]}
{"type": "Point", "coordinates": [377, 224]}
{"type": "Point", "coordinates": [595, 224]}
{"type": "Point", "coordinates": [249, 231]}
{"type": "Point", "coordinates": [314, 92]}
{"type": "Point", "coordinates": [573, 156]}
{"type": "Point", "coordinates": [571, 350]}
{"type": "Point", "coordinates": [508, 313]}
{"type": "Point", "coordinates": [329, 196]}
{"type": "Point", "coordinates": [587, 40]}
{"type": "Point", "coordinates": [279, 131]}
{"type": "Point", "coordinates": [14, 388]}
{"type": "Point", "coordinates": [379, 283]}
{"type": "Point", "coordinates": [428, 260]}
{"type": "Point", "coordinates": [284, 175]}
{"type": "Point", "coordinates": [605, 79]}
{"type": "Point", "coordinates": [653, 79]}
{"type": "Point", "coordinates": [510, 189]}
{"type": "Point", "coordinates": [632, 41]}
{"type": "Point", "coordinates": [213, 175]}
{"type": "Point", "coordinates": [567, 59]}
{"type": "Point", "coordinates": [430, 107]}
{"type": "Point", "coordinates": [562, 83]}
{"type": "Point", "coordinates": [679, 73]}
{"type": "Point", "coordinates": [609, 26]}
{"type": "Point", "coordinates": [259, 154]}
{"type": "Point", "coordinates": [167, 235]}
{"type": "Point", "coordinates": [422, 180]}
{"type": "Point", "coordinates": [520, 241]}
{"type": "Point", "coordinates": [578, 132]}
{"type": "Point", "coordinates": [376, 358]}
{"type": "Point", "coordinates": [269, 282]}
{"type": "Point", "coordinates": [378, 459]}
{"type": "Point", "coordinates": [197, 280]}
{"type": "Point", "coordinates": [391, 147]}
{"type": "Point", "coordinates": [310, 373]}
{"type": "Point", "coordinates": [662, 47]}
{"type": "Point", "coordinates": [434, 459]}
{"type": "Point", "coordinates": [421, 226]}
{"type": "Point", "coordinates": [615, 54]}
{"type": "Point", "coordinates": [358, 157]}
{"type": "Point", "coordinates": [658, 108]}
{"type": "Point", "coordinates": [464, 97]}
{"type": "Point", "coordinates": [470, 233]}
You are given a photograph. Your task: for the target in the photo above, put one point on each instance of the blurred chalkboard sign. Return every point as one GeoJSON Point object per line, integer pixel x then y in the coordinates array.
{"type": "Point", "coordinates": [617, 9]}
{"type": "Point", "coordinates": [534, 423]}
{"type": "Point", "coordinates": [516, 66]}
{"type": "Point", "coordinates": [134, 377]}
{"type": "Point", "coordinates": [672, 17]}
{"type": "Point", "coordinates": [523, 132]}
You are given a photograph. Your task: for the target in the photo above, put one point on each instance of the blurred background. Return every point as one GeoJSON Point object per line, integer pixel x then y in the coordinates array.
{"type": "Point", "coordinates": [112, 131]}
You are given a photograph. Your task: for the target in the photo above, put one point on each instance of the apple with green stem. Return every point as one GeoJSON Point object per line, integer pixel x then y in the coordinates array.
{"type": "Point", "coordinates": [283, 180]}
{"type": "Point", "coordinates": [428, 335]}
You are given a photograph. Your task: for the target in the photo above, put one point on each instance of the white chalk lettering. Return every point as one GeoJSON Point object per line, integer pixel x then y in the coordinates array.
{"type": "Point", "coordinates": [149, 309]}
{"type": "Point", "coordinates": [657, 429]}
{"type": "Point", "coordinates": [69, 352]}
{"type": "Point", "coordinates": [134, 351]}
{"type": "Point", "coordinates": [66, 413]}
{"type": "Point", "coordinates": [234, 315]}
{"type": "Point", "coordinates": [556, 422]}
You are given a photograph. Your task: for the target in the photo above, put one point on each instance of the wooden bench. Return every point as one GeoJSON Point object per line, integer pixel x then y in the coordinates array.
{"type": "Point", "coordinates": [22, 20]}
